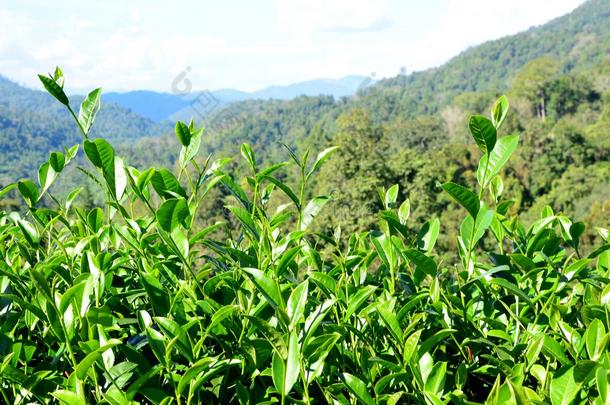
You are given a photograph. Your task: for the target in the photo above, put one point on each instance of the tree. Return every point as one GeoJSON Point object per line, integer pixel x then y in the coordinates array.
{"type": "Point", "coordinates": [532, 83]}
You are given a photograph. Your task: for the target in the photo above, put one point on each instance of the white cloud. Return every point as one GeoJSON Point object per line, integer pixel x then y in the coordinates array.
{"type": "Point", "coordinates": [330, 15]}
{"type": "Point", "coordinates": [467, 23]}
{"type": "Point", "coordinates": [145, 49]}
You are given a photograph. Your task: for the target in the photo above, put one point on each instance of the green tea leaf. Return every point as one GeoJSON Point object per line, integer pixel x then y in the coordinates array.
{"type": "Point", "coordinates": [312, 209]}
{"type": "Point", "coordinates": [183, 133]}
{"type": "Point", "coordinates": [296, 304]}
{"type": "Point", "coordinates": [266, 286]}
{"type": "Point", "coordinates": [54, 89]}
{"type": "Point", "coordinates": [88, 109]}
{"type": "Point", "coordinates": [356, 301]}
{"type": "Point", "coordinates": [483, 132]}
{"type": "Point", "coordinates": [566, 382]}
{"type": "Point", "coordinates": [172, 213]}
{"type": "Point", "coordinates": [464, 197]}
{"type": "Point", "coordinates": [358, 388]}
{"type": "Point", "coordinates": [490, 165]}
{"type": "Point", "coordinates": [499, 111]}
{"type": "Point", "coordinates": [166, 184]}
{"type": "Point", "coordinates": [29, 192]}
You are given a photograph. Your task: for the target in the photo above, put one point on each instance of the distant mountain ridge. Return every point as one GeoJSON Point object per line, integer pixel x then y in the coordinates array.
{"type": "Point", "coordinates": [160, 106]}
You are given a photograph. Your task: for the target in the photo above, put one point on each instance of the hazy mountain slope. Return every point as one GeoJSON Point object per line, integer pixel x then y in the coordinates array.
{"type": "Point", "coordinates": [577, 40]}
{"type": "Point", "coordinates": [160, 106]}
{"type": "Point", "coordinates": [150, 104]}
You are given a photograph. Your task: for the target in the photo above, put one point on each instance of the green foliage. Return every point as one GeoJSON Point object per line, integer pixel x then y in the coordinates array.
{"type": "Point", "coordinates": [138, 302]}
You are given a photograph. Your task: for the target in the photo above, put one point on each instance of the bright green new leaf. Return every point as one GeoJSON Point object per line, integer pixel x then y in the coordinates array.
{"type": "Point", "coordinates": [312, 209]}
{"type": "Point", "coordinates": [596, 339]}
{"type": "Point", "coordinates": [567, 381]}
{"type": "Point", "coordinates": [285, 372]}
{"type": "Point", "coordinates": [183, 133]}
{"type": "Point", "coordinates": [490, 165]}
{"type": "Point", "coordinates": [320, 159]}
{"type": "Point", "coordinates": [248, 154]}
{"type": "Point", "coordinates": [88, 110]}
{"type": "Point", "coordinates": [296, 304]}
{"type": "Point", "coordinates": [499, 111]}
{"type": "Point", "coordinates": [428, 234]}
{"type": "Point", "coordinates": [356, 301]}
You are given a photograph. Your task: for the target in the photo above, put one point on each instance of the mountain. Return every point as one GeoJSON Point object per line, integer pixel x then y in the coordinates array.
{"type": "Point", "coordinates": [410, 130]}
{"type": "Point", "coordinates": [577, 41]}
{"type": "Point", "coordinates": [161, 106]}
{"type": "Point", "coordinates": [150, 104]}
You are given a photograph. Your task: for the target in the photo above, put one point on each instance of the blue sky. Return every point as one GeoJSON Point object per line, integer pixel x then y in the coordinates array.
{"type": "Point", "coordinates": [146, 44]}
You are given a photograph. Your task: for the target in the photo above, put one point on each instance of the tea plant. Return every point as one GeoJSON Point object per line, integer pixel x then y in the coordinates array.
{"type": "Point", "coordinates": [134, 303]}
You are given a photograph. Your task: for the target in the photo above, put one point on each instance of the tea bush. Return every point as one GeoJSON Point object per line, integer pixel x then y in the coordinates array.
{"type": "Point", "coordinates": [130, 303]}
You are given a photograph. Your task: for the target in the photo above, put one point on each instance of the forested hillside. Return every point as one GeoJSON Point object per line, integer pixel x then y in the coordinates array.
{"type": "Point", "coordinates": [410, 130]}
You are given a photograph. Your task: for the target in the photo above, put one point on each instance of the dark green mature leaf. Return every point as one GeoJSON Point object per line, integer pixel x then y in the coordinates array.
{"type": "Point", "coordinates": [423, 263]}
{"type": "Point", "coordinates": [88, 109]}
{"type": "Point", "coordinates": [483, 132]}
{"type": "Point", "coordinates": [237, 191]}
{"type": "Point", "coordinates": [356, 301]}
{"type": "Point", "coordinates": [464, 197]}
{"type": "Point", "coordinates": [183, 133]}
{"type": "Point", "coordinates": [166, 185]}
{"type": "Point", "coordinates": [86, 363]}
{"type": "Point", "coordinates": [266, 286]}
{"type": "Point", "coordinates": [172, 213]}
{"type": "Point", "coordinates": [285, 188]}
{"type": "Point", "coordinates": [189, 152]}
{"type": "Point", "coordinates": [101, 154]}
{"type": "Point", "coordinates": [57, 161]}
{"type": "Point", "coordinates": [358, 388]}
{"type": "Point", "coordinates": [95, 219]}
{"type": "Point", "coordinates": [246, 220]}
{"type": "Point", "coordinates": [156, 293]}
{"type": "Point", "coordinates": [54, 89]}
{"type": "Point", "coordinates": [29, 192]}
